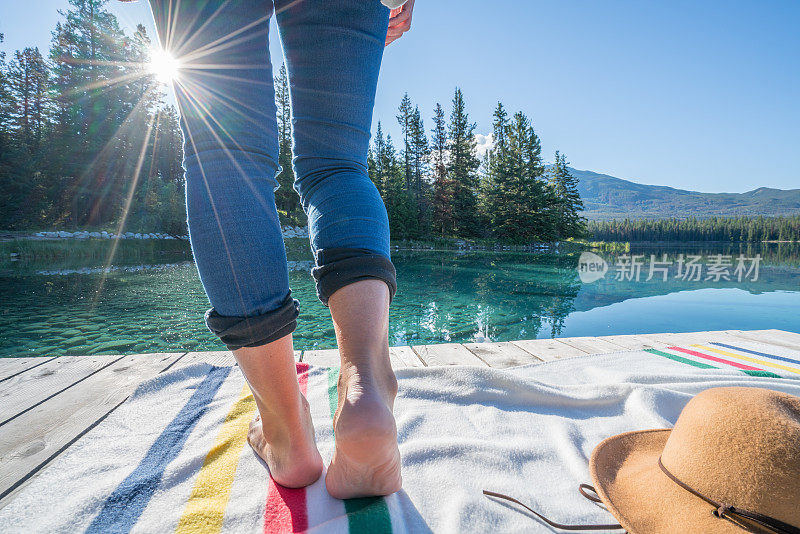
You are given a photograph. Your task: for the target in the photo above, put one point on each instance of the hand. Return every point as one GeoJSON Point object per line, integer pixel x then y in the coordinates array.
{"type": "Point", "coordinates": [399, 21]}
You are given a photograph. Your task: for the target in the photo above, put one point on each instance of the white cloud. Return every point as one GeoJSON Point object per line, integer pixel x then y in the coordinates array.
{"type": "Point", "coordinates": [484, 143]}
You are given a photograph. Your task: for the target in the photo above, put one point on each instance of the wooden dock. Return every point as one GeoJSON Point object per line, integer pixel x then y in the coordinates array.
{"type": "Point", "coordinates": [46, 404]}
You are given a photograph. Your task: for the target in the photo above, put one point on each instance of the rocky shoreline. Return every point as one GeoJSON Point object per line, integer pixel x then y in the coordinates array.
{"type": "Point", "coordinates": [295, 232]}
{"type": "Point", "coordinates": [289, 232]}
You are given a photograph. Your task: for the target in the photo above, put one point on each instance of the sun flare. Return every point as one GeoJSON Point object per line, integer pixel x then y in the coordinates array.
{"type": "Point", "coordinates": [163, 66]}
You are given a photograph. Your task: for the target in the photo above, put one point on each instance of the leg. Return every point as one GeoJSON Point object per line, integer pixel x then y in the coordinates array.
{"type": "Point", "coordinates": [333, 53]}
{"type": "Point", "coordinates": [366, 460]}
{"type": "Point", "coordinates": [225, 95]}
{"type": "Point", "coordinates": [282, 435]}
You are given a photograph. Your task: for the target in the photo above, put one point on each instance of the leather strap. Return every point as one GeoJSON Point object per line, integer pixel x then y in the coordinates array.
{"type": "Point", "coordinates": [582, 489]}
{"type": "Point", "coordinates": [744, 519]}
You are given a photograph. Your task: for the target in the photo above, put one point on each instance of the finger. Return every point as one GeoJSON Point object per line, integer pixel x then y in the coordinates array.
{"type": "Point", "coordinates": [402, 27]}
{"type": "Point", "coordinates": [394, 34]}
{"type": "Point", "coordinates": [400, 17]}
{"type": "Point", "coordinates": [399, 23]}
{"type": "Point", "coordinates": [390, 38]}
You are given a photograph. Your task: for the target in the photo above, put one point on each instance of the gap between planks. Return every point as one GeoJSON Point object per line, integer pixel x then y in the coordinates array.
{"type": "Point", "coordinates": [399, 357]}
{"type": "Point", "coordinates": [30, 440]}
{"type": "Point", "coordinates": [16, 366]}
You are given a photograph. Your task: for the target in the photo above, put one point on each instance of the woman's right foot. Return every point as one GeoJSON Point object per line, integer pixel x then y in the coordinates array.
{"type": "Point", "coordinates": [288, 448]}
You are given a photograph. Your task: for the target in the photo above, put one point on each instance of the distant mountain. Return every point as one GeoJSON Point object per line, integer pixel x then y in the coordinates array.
{"type": "Point", "coordinates": [607, 197]}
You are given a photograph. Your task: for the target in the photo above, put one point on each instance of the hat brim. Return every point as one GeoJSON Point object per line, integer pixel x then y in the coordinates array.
{"type": "Point", "coordinates": [626, 476]}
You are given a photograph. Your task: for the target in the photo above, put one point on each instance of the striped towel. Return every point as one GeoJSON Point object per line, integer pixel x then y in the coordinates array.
{"type": "Point", "coordinates": [174, 457]}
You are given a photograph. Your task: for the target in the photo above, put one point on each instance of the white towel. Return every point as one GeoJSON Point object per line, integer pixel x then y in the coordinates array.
{"type": "Point", "coordinates": [173, 457]}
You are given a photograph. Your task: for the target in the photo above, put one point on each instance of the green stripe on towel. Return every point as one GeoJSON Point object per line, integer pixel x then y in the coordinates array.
{"type": "Point", "coordinates": [680, 359]}
{"type": "Point", "coordinates": [763, 374]}
{"type": "Point", "coordinates": [365, 514]}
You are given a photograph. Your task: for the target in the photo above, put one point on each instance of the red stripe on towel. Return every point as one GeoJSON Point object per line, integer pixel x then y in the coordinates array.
{"type": "Point", "coordinates": [715, 359]}
{"type": "Point", "coordinates": [286, 509]}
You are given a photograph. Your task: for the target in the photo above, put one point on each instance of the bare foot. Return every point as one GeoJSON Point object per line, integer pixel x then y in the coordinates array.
{"type": "Point", "coordinates": [366, 461]}
{"type": "Point", "coordinates": [288, 448]}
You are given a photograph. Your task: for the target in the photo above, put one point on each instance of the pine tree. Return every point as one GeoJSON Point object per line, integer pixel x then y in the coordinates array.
{"type": "Point", "coordinates": [420, 168]}
{"type": "Point", "coordinates": [404, 117]}
{"type": "Point", "coordinates": [463, 168]}
{"type": "Point", "coordinates": [25, 125]}
{"type": "Point", "coordinates": [379, 176]}
{"type": "Point", "coordinates": [168, 150]}
{"type": "Point", "coordinates": [516, 199]}
{"type": "Point", "coordinates": [497, 194]}
{"type": "Point", "coordinates": [6, 106]}
{"type": "Point", "coordinates": [533, 215]}
{"type": "Point", "coordinates": [28, 79]}
{"type": "Point", "coordinates": [91, 55]}
{"type": "Point", "coordinates": [443, 185]}
{"type": "Point", "coordinates": [390, 180]}
{"type": "Point", "coordinates": [568, 204]}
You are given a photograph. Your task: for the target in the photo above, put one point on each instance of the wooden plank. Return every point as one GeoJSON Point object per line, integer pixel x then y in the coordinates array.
{"type": "Point", "coordinates": [501, 355]}
{"type": "Point", "coordinates": [689, 338]}
{"type": "Point", "coordinates": [220, 358]}
{"type": "Point", "coordinates": [322, 357]}
{"type": "Point", "coordinates": [591, 345]}
{"type": "Point", "coordinates": [10, 367]}
{"type": "Point", "coordinates": [548, 349]}
{"type": "Point", "coordinates": [25, 390]}
{"type": "Point", "coordinates": [399, 357]}
{"type": "Point", "coordinates": [634, 342]}
{"type": "Point", "coordinates": [404, 357]}
{"type": "Point", "coordinates": [671, 338]}
{"type": "Point", "coordinates": [781, 338]}
{"type": "Point", "coordinates": [30, 442]}
{"type": "Point", "coordinates": [447, 354]}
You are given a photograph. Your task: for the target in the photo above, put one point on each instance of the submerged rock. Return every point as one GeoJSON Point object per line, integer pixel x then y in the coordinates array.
{"type": "Point", "coordinates": [119, 345]}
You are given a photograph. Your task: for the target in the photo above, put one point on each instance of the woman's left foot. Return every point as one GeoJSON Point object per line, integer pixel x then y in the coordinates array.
{"type": "Point", "coordinates": [288, 448]}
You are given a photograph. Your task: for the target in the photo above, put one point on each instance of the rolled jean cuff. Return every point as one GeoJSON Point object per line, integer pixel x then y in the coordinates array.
{"type": "Point", "coordinates": [338, 267]}
{"type": "Point", "coordinates": [253, 331]}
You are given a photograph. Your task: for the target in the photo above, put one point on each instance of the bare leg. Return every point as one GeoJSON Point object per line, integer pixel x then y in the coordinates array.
{"type": "Point", "coordinates": [282, 435]}
{"type": "Point", "coordinates": [366, 460]}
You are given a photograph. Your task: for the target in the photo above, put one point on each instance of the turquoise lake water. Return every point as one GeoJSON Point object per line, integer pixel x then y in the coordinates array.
{"type": "Point", "coordinates": [59, 299]}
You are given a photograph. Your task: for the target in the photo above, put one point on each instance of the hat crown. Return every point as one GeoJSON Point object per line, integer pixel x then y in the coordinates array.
{"type": "Point", "coordinates": [741, 447]}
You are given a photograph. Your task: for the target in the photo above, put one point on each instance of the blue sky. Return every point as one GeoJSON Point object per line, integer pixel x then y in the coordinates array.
{"type": "Point", "coordinates": [696, 95]}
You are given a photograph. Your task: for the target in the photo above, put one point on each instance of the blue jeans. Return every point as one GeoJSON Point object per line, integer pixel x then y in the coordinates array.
{"type": "Point", "coordinates": [333, 51]}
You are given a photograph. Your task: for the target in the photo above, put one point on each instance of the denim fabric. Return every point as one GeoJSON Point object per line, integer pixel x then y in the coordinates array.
{"type": "Point", "coordinates": [333, 51]}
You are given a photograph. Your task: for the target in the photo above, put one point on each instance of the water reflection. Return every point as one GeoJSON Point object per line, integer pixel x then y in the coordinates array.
{"type": "Point", "coordinates": [481, 296]}
{"type": "Point", "coordinates": [152, 301]}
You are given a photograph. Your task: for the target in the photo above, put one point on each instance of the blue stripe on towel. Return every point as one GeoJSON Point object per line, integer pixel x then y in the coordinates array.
{"type": "Point", "coordinates": [125, 505]}
{"type": "Point", "coordinates": [782, 358]}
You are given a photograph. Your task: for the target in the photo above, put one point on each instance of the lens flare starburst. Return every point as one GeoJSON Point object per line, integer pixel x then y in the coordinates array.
{"type": "Point", "coordinates": [164, 66]}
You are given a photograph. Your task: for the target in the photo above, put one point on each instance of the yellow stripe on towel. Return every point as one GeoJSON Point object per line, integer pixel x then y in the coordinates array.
{"type": "Point", "coordinates": [749, 359]}
{"type": "Point", "coordinates": [212, 489]}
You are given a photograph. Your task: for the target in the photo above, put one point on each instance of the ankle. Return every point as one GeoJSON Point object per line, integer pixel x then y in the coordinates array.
{"type": "Point", "coordinates": [288, 422]}
{"type": "Point", "coordinates": [359, 385]}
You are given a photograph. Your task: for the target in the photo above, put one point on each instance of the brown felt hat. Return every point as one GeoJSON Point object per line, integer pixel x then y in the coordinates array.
{"type": "Point", "coordinates": [731, 464]}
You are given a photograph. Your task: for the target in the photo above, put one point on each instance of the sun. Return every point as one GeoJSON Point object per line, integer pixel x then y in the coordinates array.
{"type": "Point", "coordinates": [163, 66]}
